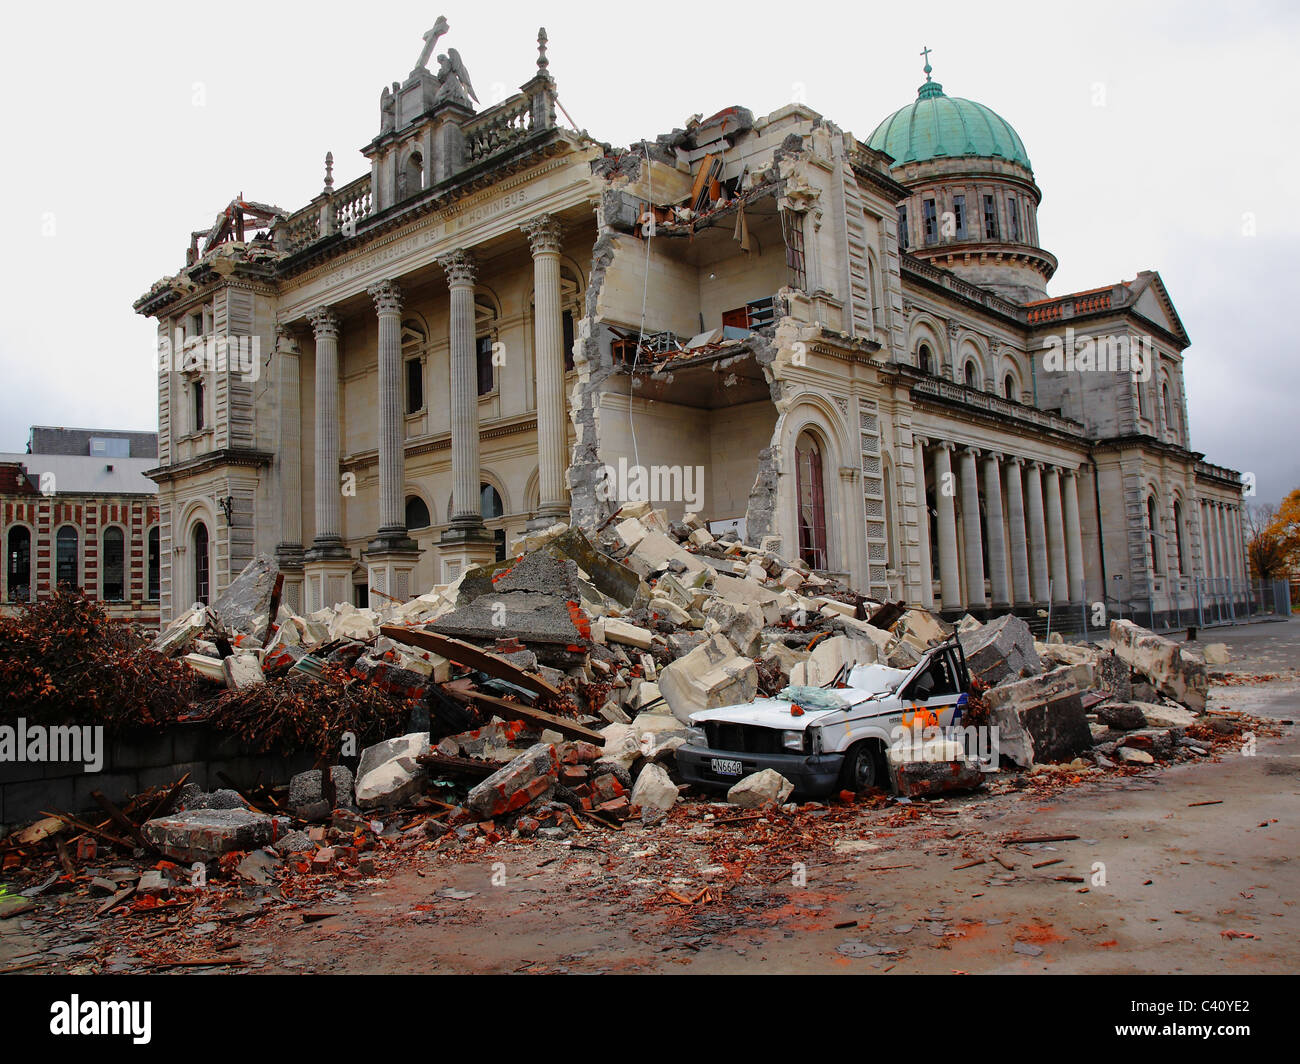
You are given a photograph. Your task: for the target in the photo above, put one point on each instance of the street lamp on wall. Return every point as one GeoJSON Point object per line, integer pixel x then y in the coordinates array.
{"type": "Point", "coordinates": [227, 504]}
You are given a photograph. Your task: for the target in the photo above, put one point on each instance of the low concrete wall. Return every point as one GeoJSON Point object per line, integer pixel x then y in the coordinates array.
{"type": "Point", "coordinates": [134, 763]}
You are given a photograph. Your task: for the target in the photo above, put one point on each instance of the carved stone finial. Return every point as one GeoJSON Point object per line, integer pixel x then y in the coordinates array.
{"type": "Point", "coordinates": [460, 267]}
{"type": "Point", "coordinates": [329, 170]}
{"type": "Point", "coordinates": [542, 61]}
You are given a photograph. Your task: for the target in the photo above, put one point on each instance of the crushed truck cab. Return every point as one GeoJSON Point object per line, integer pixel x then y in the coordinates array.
{"type": "Point", "coordinates": [826, 739]}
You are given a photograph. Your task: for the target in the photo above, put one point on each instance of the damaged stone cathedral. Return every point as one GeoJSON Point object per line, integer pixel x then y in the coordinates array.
{"type": "Point", "coordinates": [845, 344]}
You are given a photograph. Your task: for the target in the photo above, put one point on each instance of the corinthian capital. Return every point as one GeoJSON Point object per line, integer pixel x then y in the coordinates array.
{"type": "Point", "coordinates": [543, 234]}
{"type": "Point", "coordinates": [460, 267]}
{"type": "Point", "coordinates": [325, 322]}
{"type": "Point", "coordinates": [387, 296]}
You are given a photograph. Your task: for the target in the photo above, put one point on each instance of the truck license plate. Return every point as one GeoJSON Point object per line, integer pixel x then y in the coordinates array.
{"type": "Point", "coordinates": [725, 767]}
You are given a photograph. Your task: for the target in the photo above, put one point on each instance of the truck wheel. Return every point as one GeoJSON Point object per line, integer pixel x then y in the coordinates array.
{"type": "Point", "coordinates": [863, 769]}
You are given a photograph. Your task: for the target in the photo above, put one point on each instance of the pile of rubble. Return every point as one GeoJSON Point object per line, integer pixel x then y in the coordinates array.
{"type": "Point", "coordinates": [551, 691]}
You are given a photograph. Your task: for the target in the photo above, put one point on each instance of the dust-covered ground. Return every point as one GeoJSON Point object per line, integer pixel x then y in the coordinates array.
{"type": "Point", "coordinates": [1156, 881]}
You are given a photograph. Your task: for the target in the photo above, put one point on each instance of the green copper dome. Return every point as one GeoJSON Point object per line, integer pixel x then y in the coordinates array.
{"type": "Point", "coordinates": [936, 126]}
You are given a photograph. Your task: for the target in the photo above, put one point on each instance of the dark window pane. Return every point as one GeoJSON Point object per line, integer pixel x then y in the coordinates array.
{"type": "Point", "coordinates": [990, 218]}
{"type": "Point", "coordinates": [568, 339]}
{"type": "Point", "coordinates": [930, 222]}
{"type": "Point", "coordinates": [201, 572]}
{"type": "Point", "coordinates": [20, 564]}
{"type": "Point", "coordinates": [417, 513]}
{"type": "Point", "coordinates": [113, 559]}
{"type": "Point", "coordinates": [414, 386]}
{"type": "Point", "coordinates": [155, 566]}
{"type": "Point", "coordinates": [65, 551]}
{"type": "Point", "coordinates": [485, 367]}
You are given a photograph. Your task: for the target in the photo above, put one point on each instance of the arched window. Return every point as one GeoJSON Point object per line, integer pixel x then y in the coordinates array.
{"type": "Point", "coordinates": [112, 565]}
{"type": "Point", "coordinates": [1009, 386]}
{"type": "Point", "coordinates": [155, 565]}
{"type": "Point", "coordinates": [414, 173]}
{"type": "Point", "coordinates": [811, 497]}
{"type": "Point", "coordinates": [20, 564]}
{"type": "Point", "coordinates": [65, 557]}
{"type": "Point", "coordinates": [417, 512]}
{"type": "Point", "coordinates": [923, 358]}
{"type": "Point", "coordinates": [1178, 533]}
{"type": "Point", "coordinates": [972, 377]}
{"type": "Point", "coordinates": [202, 570]}
{"type": "Point", "coordinates": [1156, 567]}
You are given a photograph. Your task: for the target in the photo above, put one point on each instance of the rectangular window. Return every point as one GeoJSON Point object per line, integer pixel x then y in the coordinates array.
{"type": "Point", "coordinates": [567, 326]}
{"type": "Point", "coordinates": [1013, 217]}
{"type": "Point", "coordinates": [792, 229]}
{"type": "Point", "coordinates": [196, 324]}
{"type": "Point", "coordinates": [197, 390]}
{"type": "Point", "coordinates": [990, 218]}
{"type": "Point", "coordinates": [414, 386]}
{"type": "Point", "coordinates": [486, 371]}
{"type": "Point", "coordinates": [903, 241]}
{"type": "Point", "coordinates": [929, 221]}
{"type": "Point", "coordinates": [155, 565]}
{"type": "Point", "coordinates": [751, 316]}
{"type": "Point", "coordinates": [959, 215]}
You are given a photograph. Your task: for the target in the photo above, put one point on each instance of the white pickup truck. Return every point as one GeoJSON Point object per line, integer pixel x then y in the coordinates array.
{"type": "Point", "coordinates": [826, 739]}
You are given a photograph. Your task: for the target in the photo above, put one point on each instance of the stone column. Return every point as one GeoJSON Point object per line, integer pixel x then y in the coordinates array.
{"type": "Point", "coordinates": [972, 530]}
{"type": "Point", "coordinates": [1021, 594]}
{"type": "Point", "coordinates": [1207, 528]}
{"type": "Point", "coordinates": [1056, 535]}
{"type": "Point", "coordinates": [466, 542]}
{"type": "Point", "coordinates": [945, 494]}
{"type": "Point", "coordinates": [1238, 538]}
{"type": "Point", "coordinates": [1207, 559]}
{"type": "Point", "coordinates": [288, 462]}
{"type": "Point", "coordinates": [1223, 552]}
{"type": "Point", "coordinates": [923, 521]}
{"type": "Point", "coordinates": [1038, 571]}
{"type": "Point", "coordinates": [392, 476]}
{"type": "Point", "coordinates": [1073, 535]}
{"type": "Point", "coordinates": [392, 555]}
{"type": "Point", "coordinates": [543, 234]}
{"type": "Point", "coordinates": [328, 565]}
{"type": "Point", "coordinates": [997, 532]}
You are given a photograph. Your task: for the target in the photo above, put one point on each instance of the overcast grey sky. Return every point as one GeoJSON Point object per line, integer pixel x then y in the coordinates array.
{"type": "Point", "coordinates": [1161, 134]}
